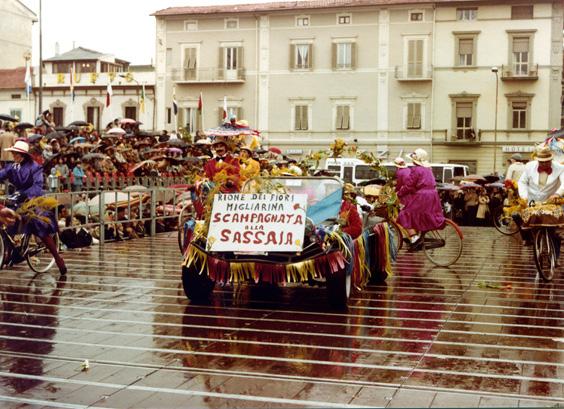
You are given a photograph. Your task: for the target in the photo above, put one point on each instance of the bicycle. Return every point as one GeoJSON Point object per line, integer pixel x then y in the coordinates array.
{"type": "Point", "coordinates": [25, 246]}
{"type": "Point", "coordinates": [544, 251]}
{"type": "Point", "coordinates": [503, 220]}
{"type": "Point", "coordinates": [443, 246]}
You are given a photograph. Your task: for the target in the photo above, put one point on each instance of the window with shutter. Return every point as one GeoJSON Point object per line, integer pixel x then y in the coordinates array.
{"type": "Point", "coordinates": [521, 12]}
{"type": "Point", "coordinates": [463, 120]}
{"type": "Point", "coordinates": [301, 118]}
{"type": "Point", "coordinates": [521, 55]}
{"type": "Point", "coordinates": [465, 51]}
{"type": "Point", "coordinates": [343, 117]}
{"type": "Point", "coordinates": [190, 63]}
{"type": "Point", "coordinates": [466, 14]}
{"type": "Point", "coordinates": [415, 58]}
{"type": "Point", "coordinates": [302, 56]}
{"type": "Point", "coordinates": [414, 115]}
{"type": "Point", "coordinates": [519, 115]}
{"type": "Point", "coordinates": [344, 56]}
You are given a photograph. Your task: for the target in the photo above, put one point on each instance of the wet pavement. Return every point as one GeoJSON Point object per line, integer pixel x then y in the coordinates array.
{"type": "Point", "coordinates": [484, 333]}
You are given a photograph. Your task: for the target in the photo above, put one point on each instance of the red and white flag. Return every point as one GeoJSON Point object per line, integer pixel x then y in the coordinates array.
{"type": "Point", "coordinates": [200, 103]}
{"type": "Point", "coordinates": [224, 108]}
{"type": "Point", "coordinates": [109, 94]}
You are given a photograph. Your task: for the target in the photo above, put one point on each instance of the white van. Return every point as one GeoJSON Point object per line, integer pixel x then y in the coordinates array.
{"type": "Point", "coordinates": [356, 171]}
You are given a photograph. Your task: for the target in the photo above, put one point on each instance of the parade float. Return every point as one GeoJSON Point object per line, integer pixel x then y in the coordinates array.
{"type": "Point", "coordinates": [282, 230]}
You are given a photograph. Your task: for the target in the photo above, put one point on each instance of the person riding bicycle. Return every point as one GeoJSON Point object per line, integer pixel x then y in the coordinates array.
{"type": "Point", "coordinates": [422, 211]}
{"type": "Point", "coordinates": [27, 178]}
{"type": "Point", "coordinates": [541, 181]}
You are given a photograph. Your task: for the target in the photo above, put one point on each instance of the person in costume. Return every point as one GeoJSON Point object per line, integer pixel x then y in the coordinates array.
{"type": "Point", "coordinates": [349, 218]}
{"type": "Point", "coordinates": [223, 168]}
{"type": "Point", "coordinates": [422, 211]}
{"type": "Point", "coordinates": [249, 167]}
{"type": "Point", "coordinates": [516, 168]}
{"type": "Point", "coordinates": [541, 181]}
{"type": "Point", "coordinates": [27, 178]}
{"type": "Point", "coordinates": [402, 176]}
{"type": "Point", "coordinates": [543, 178]}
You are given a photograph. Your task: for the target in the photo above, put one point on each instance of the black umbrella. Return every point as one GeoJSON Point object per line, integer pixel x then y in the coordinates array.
{"type": "Point", "coordinates": [54, 135]}
{"type": "Point", "coordinates": [9, 118]}
{"type": "Point", "coordinates": [79, 123]}
{"type": "Point", "coordinates": [24, 125]}
{"type": "Point", "coordinates": [34, 137]}
{"type": "Point", "coordinates": [62, 129]}
{"type": "Point", "coordinates": [177, 142]}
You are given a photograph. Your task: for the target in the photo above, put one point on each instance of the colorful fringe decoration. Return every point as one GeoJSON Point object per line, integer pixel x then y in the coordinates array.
{"type": "Point", "coordinates": [37, 207]}
{"type": "Point", "coordinates": [362, 258]}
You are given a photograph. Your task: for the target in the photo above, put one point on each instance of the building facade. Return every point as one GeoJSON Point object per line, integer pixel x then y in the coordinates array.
{"type": "Point", "coordinates": [132, 89]}
{"type": "Point", "coordinates": [16, 21]}
{"type": "Point", "coordinates": [394, 75]}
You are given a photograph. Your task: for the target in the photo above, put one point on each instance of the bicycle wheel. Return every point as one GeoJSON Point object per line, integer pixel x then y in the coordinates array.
{"type": "Point", "coordinates": [2, 251]}
{"type": "Point", "coordinates": [398, 236]}
{"type": "Point", "coordinates": [188, 212]}
{"type": "Point", "coordinates": [504, 223]}
{"type": "Point", "coordinates": [38, 257]}
{"type": "Point", "coordinates": [544, 254]}
{"type": "Point", "coordinates": [443, 246]}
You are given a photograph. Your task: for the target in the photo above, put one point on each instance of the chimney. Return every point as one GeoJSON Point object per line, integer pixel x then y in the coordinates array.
{"type": "Point", "coordinates": [57, 49]}
{"type": "Point", "coordinates": [73, 45]}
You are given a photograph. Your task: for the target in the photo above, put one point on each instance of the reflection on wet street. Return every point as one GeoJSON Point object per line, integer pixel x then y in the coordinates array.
{"type": "Point", "coordinates": [483, 333]}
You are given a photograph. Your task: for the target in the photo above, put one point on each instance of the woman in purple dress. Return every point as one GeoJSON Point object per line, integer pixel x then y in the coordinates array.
{"type": "Point", "coordinates": [422, 211]}
{"type": "Point", "coordinates": [402, 176]}
{"type": "Point", "coordinates": [27, 177]}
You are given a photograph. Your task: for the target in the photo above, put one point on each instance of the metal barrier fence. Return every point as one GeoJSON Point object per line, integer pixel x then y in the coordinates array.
{"type": "Point", "coordinates": [134, 206]}
{"type": "Point", "coordinates": [107, 181]}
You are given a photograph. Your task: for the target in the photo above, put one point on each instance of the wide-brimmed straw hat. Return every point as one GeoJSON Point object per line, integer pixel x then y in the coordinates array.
{"type": "Point", "coordinates": [399, 162]}
{"type": "Point", "coordinates": [420, 157]}
{"type": "Point", "coordinates": [543, 154]}
{"type": "Point", "coordinates": [19, 147]}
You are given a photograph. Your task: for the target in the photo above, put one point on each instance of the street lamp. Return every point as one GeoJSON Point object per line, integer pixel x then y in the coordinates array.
{"type": "Point", "coordinates": [495, 70]}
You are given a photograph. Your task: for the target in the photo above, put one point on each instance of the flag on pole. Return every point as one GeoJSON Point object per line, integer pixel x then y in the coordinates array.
{"type": "Point", "coordinates": [142, 100]}
{"type": "Point", "coordinates": [109, 94]}
{"type": "Point", "coordinates": [27, 80]}
{"type": "Point", "coordinates": [72, 83]}
{"type": "Point", "coordinates": [224, 108]}
{"type": "Point", "coordinates": [174, 103]}
{"type": "Point", "coordinates": [200, 103]}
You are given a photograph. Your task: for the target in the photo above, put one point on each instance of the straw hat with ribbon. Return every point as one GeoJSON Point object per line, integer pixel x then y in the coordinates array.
{"type": "Point", "coordinates": [399, 162]}
{"type": "Point", "coordinates": [19, 147]}
{"type": "Point", "coordinates": [542, 154]}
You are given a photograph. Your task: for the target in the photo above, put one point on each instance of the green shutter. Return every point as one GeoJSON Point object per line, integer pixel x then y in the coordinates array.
{"type": "Point", "coordinates": [221, 64]}
{"type": "Point", "coordinates": [334, 56]}
{"type": "Point", "coordinates": [353, 56]}
{"type": "Point", "coordinates": [310, 57]}
{"type": "Point", "coordinates": [292, 57]}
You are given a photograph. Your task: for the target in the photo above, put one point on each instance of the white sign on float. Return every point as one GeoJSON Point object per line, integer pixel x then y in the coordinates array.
{"type": "Point", "coordinates": [257, 222]}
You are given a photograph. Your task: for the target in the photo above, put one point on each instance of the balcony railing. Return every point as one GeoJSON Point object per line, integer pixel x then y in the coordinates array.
{"type": "Point", "coordinates": [520, 72]}
{"type": "Point", "coordinates": [199, 75]}
{"type": "Point", "coordinates": [449, 137]}
{"type": "Point", "coordinates": [413, 73]}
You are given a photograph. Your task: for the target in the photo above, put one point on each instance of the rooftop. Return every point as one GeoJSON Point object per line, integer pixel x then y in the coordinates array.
{"type": "Point", "coordinates": [289, 5]}
{"type": "Point", "coordinates": [12, 78]}
{"type": "Point", "coordinates": [80, 53]}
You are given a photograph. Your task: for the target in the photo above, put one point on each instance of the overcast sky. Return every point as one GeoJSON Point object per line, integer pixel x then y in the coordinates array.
{"type": "Point", "coordinates": [123, 28]}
